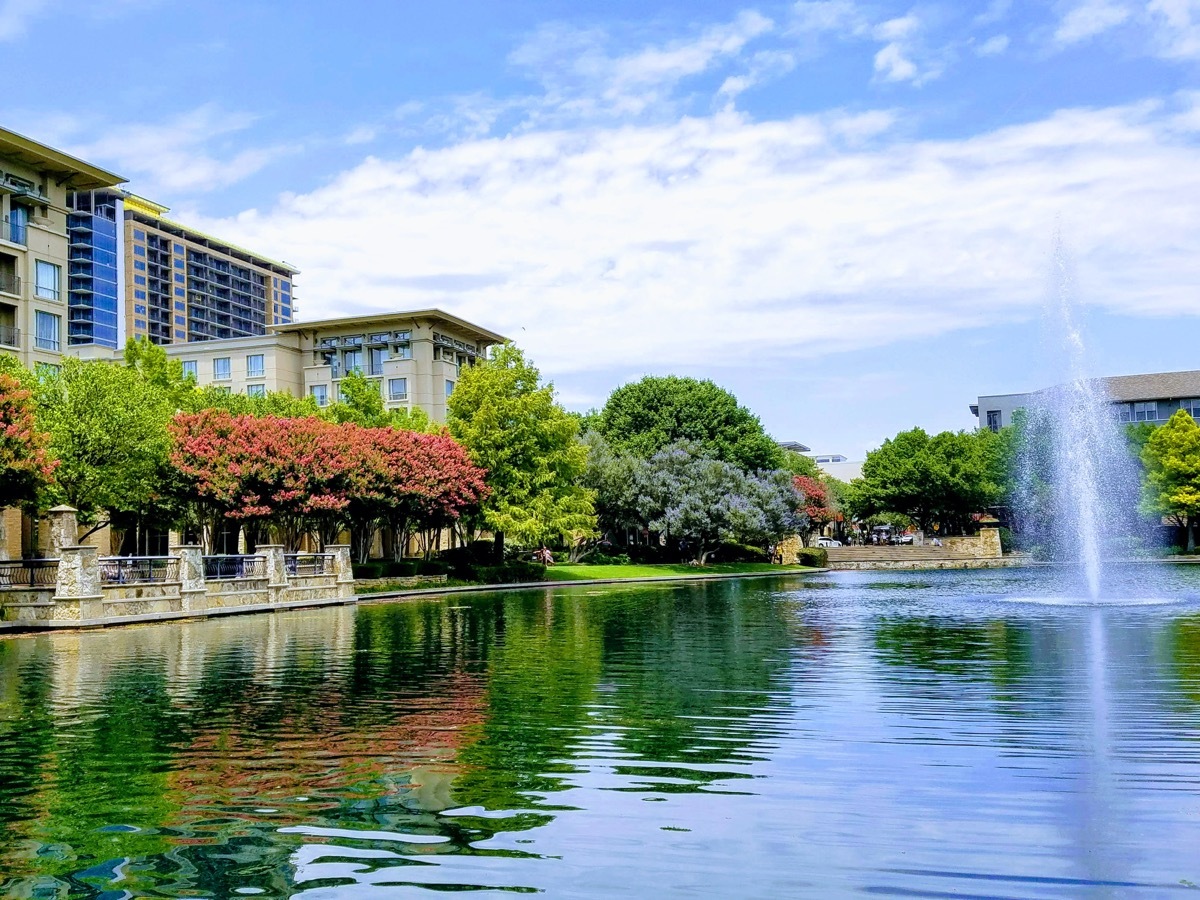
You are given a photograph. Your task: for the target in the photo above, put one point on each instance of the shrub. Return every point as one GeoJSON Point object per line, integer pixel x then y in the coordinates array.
{"type": "Point", "coordinates": [730, 552]}
{"type": "Point", "coordinates": [1006, 540]}
{"type": "Point", "coordinates": [373, 569]}
{"type": "Point", "coordinates": [513, 572]}
{"type": "Point", "coordinates": [604, 559]}
{"type": "Point", "coordinates": [432, 567]}
{"type": "Point", "coordinates": [400, 568]}
{"type": "Point", "coordinates": [817, 557]}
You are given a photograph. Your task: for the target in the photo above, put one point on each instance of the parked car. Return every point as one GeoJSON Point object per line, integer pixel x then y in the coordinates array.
{"type": "Point", "coordinates": [904, 539]}
{"type": "Point", "coordinates": [828, 542]}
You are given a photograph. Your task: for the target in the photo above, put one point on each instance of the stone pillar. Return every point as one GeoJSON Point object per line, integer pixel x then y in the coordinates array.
{"type": "Point", "coordinates": [64, 528]}
{"type": "Point", "coordinates": [77, 593]}
{"type": "Point", "coordinates": [193, 591]}
{"type": "Point", "coordinates": [276, 571]}
{"type": "Point", "coordinates": [342, 568]}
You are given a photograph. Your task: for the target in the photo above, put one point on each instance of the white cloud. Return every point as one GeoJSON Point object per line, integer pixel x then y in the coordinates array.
{"type": "Point", "coordinates": [993, 46]}
{"type": "Point", "coordinates": [581, 79]}
{"type": "Point", "coordinates": [15, 16]}
{"type": "Point", "coordinates": [829, 15]}
{"type": "Point", "coordinates": [192, 152]}
{"type": "Point", "coordinates": [1178, 26]}
{"type": "Point", "coordinates": [1090, 18]}
{"type": "Point", "coordinates": [996, 11]}
{"type": "Point", "coordinates": [893, 65]}
{"type": "Point", "coordinates": [895, 61]}
{"type": "Point", "coordinates": [721, 241]}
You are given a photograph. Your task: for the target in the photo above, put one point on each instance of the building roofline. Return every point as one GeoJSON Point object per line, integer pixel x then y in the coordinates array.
{"type": "Point", "coordinates": [143, 208]}
{"type": "Point", "coordinates": [380, 318]}
{"type": "Point", "coordinates": [68, 170]}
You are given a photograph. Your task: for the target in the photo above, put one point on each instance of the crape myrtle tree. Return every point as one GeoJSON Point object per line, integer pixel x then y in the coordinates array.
{"type": "Point", "coordinates": [26, 467]}
{"type": "Point", "coordinates": [940, 480]}
{"type": "Point", "coordinates": [817, 507]}
{"type": "Point", "coordinates": [511, 426]}
{"type": "Point", "coordinates": [658, 412]}
{"type": "Point", "coordinates": [311, 476]}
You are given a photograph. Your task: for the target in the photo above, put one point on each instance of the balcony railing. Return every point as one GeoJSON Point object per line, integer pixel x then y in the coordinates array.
{"type": "Point", "coordinates": [308, 563]}
{"type": "Point", "coordinates": [14, 231]}
{"type": "Point", "coordinates": [138, 569]}
{"type": "Point", "coordinates": [10, 283]}
{"type": "Point", "coordinates": [232, 567]}
{"type": "Point", "coordinates": [28, 573]}
{"type": "Point", "coordinates": [10, 336]}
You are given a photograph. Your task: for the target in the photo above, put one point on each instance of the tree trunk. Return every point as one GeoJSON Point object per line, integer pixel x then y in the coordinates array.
{"type": "Point", "coordinates": [1191, 534]}
{"type": "Point", "coordinates": [498, 543]}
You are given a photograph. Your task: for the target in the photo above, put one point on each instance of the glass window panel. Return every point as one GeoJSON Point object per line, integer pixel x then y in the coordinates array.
{"type": "Point", "coordinates": [221, 368]}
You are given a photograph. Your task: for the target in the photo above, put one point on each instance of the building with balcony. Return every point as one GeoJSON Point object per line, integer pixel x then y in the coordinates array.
{"type": "Point", "coordinates": [136, 273]}
{"type": "Point", "coordinates": [35, 303]}
{"type": "Point", "coordinates": [1152, 398]}
{"type": "Point", "coordinates": [415, 358]}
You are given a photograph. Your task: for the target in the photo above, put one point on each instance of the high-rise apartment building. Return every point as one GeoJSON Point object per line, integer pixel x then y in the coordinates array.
{"type": "Point", "coordinates": [35, 254]}
{"type": "Point", "coordinates": [137, 273]}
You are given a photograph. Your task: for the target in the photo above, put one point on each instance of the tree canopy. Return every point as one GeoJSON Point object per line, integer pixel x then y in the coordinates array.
{"type": "Point", "coordinates": [941, 479]}
{"type": "Point", "coordinates": [25, 463]}
{"type": "Point", "coordinates": [511, 426]}
{"type": "Point", "coordinates": [1171, 456]}
{"type": "Point", "coordinates": [658, 412]}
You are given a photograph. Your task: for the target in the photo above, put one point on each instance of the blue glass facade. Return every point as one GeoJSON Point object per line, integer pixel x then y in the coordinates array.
{"type": "Point", "coordinates": [92, 269]}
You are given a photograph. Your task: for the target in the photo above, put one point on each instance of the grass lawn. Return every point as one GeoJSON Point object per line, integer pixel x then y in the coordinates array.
{"type": "Point", "coordinates": [582, 573]}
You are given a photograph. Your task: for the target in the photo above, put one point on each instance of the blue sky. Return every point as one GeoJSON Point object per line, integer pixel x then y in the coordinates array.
{"type": "Point", "coordinates": [843, 211]}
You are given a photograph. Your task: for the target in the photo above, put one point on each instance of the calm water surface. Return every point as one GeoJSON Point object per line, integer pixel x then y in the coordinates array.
{"type": "Point", "coordinates": [911, 735]}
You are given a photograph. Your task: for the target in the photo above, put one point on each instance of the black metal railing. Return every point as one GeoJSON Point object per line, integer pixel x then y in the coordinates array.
{"type": "Point", "coordinates": [10, 336]}
{"type": "Point", "coordinates": [28, 573]}
{"type": "Point", "coordinates": [10, 283]}
{"type": "Point", "coordinates": [138, 569]}
{"type": "Point", "coordinates": [232, 567]}
{"type": "Point", "coordinates": [308, 563]}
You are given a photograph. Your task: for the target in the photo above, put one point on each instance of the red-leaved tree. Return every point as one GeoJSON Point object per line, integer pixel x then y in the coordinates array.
{"type": "Point", "coordinates": [25, 463]}
{"type": "Point", "coordinates": [816, 505]}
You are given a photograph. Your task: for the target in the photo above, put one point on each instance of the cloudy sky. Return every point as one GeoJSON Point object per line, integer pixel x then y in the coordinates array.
{"type": "Point", "coordinates": [843, 211]}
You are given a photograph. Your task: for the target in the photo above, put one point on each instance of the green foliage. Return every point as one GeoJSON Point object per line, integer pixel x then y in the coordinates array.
{"type": "Point", "coordinates": [798, 464]}
{"type": "Point", "coordinates": [279, 404]}
{"type": "Point", "coordinates": [108, 429]}
{"type": "Point", "coordinates": [650, 415]}
{"type": "Point", "coordinates": [529, 446]}
{"type": "Point", "coordinates": [163, 373]}
{"type": "Point", "coordinates": [816, 557]}
{"type": "Point", "coordinates": [1171, 456]}
{"type": "Point", "coordinates": [941, 479]}
{"type": "Point", "coordinates": [361, 401]}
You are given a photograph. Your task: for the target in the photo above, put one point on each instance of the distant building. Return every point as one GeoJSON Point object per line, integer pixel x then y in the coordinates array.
{"type": "Point", "coordinates": [415, 358]}
{"type": "Point", "coordinates": [35, 302]}
{"type": "Point", "coordinates": [825, 458]}
{"type": "Point", "coordinates": [794, 446]}
{"type": "Point", "coordinates": [137, 273]}
{"type": "Point", "coordinates": [1150, 398]}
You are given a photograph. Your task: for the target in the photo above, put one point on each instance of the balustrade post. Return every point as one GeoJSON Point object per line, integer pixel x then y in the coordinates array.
{"type": "Point", "coordinates": [77, 593]}
{"type": "Point", "coordinates": [193, 589]}
{"type": "Point", "coordinates": [64, 528]}
{"type": "Point", "coordinates": [276, 571]}
{"type": "Point", "coordinates": [342, 568]}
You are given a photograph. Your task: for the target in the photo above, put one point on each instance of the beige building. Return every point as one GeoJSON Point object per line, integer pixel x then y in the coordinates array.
{"type": "Point", "coordinates": [415, 357]}
{"type": "Point", "coordinates": [34, 249]}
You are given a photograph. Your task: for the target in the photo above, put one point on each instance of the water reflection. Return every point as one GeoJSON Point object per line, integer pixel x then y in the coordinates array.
{"type": "Point", "coordinates": [910, 735]}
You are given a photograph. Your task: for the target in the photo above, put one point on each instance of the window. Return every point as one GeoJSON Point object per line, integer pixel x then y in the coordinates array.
{"type": "Point", "coordinates": [181, 306]}
{"type": "Point", "coordinates": [139, 295]}
{"type": "Point", "coordinates": [353, 360]}
{"type": "Point", "coordinates": [139, 235]}
{"type": "Point", "coordinates": [139, 279]}
{"type": "Point", "coordinates": [139, 265]}
{"type": "Point", "coordinates": [139, 251]}
{"type": "Point", "coordinates": [376, 359]}
{"type": "Point", "coordinates": [381, 338]}
{"type": "Point", "coordinates": [178, 248]}
{"type": "Point", "coordinates": [179, 263]}
{"type": "Point", "coordinates": [221, 369]}
{"type": "Point", "coordinates": [449, 388]}
{"type": "Point", "coordinates": [181, 320]}
{"type": "Point", "coordinates": [190, 369]}
{"type": "Point", "coordinates": [179, 278]}
{"type": "Point", "coordinates": [397, 388]}
{"type": "Point", "coordinates": [46, 280]}
{"type": "Point", "coordinates": [402, 351]}
{"type": "Point", "coordinates": [256, 390]}
{"type": "Point", "coordinates": [320, 393]}
{"type": "Point", "coordinates": [47, 331]}
{"type": "Point", "coordinates": [993, 419]}
{"type": "Point", "coordinates": [179, 292]}
{"type": "Point", "coordinates": [255, 366]}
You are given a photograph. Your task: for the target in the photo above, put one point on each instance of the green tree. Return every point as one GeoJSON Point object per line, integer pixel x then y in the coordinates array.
{"type": "Point", "coordinates": [108, 429]}
{"type": "Point", "coordinates": [25, 466]}
{"type": "Point", "coordinates": [163, 372]}
{"type": "Point", "coordinates": [658, 412]}
{"type": "Point", "coordinates": [941, 480]}
{"type": "Point", "coordinates": [1171, 486]}
{"type": "Point", "coordinates": [529, 445]}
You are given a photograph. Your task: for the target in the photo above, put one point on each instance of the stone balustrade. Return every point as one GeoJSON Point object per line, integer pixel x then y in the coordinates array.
{"type": "Point", "coordinates": [91, 590]}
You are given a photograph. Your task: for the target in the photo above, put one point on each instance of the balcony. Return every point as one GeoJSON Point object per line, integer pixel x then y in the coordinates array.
{"type": "Point", "coordinates": [10, 336]}
{"type": "Point", "coordinates": [10, 283]}
{"type": "Point", "coordinates": [16, 232]}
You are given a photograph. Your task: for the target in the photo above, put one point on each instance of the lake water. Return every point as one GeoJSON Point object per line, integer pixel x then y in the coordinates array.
{"type": "Point", "coordinates": [903, 734]}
